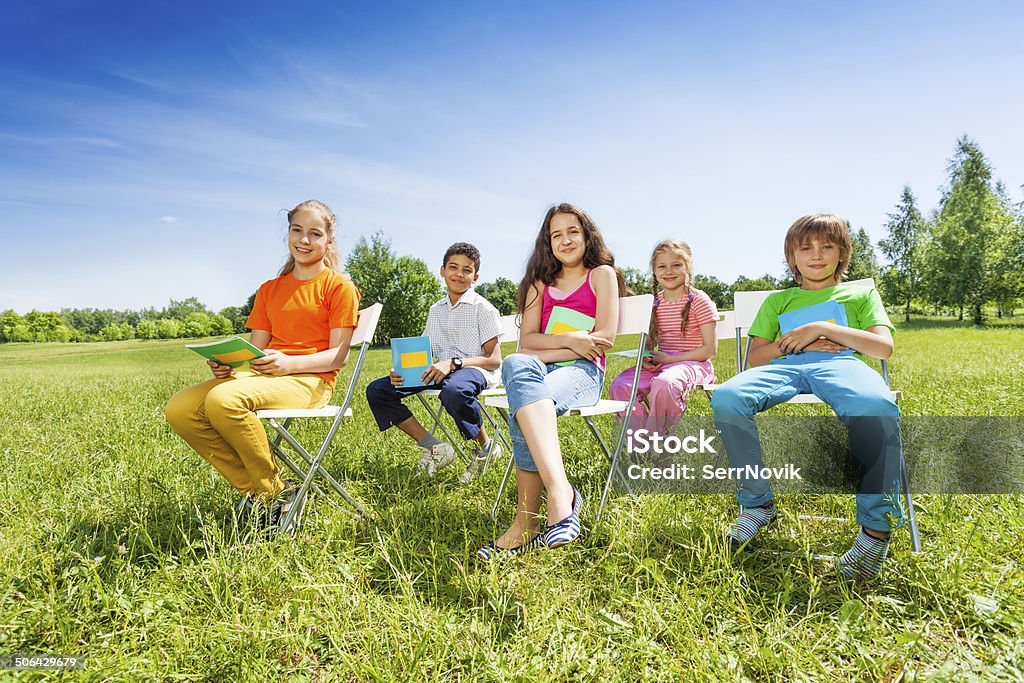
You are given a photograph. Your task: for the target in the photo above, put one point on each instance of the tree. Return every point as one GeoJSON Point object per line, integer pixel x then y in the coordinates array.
{"type": "Point", "coordinates": [180, 310]}
{"type": "Point", "coordinates": [501, 293]}
{"type": "Point", "coordinates": [46, 327]}
{"type": "Point", "coordinates": [197, 325]}
{"type": "Point", "coordinates": [170, 328]}
{"type": "Point", "coordinates": [719, 291]}
{"type": "Point", "coordinates": [763, 283]}
{"type": "Point", "coordinates": [405, 285]}
{"type": "Point", "coordinates": [965, 249]}
{"type": "Point", "coordinates": [863, 263]}
{"type": "Point", "coordinates": [903, 250]}
{"type": "Point", "coordinates": [8, 321]}
{"type": "Point", "coordinates": [146, 329]}
{"type": "Point", "coordinates": [220, 325]}
{"type": "Point", "coordinates": [640, 281]}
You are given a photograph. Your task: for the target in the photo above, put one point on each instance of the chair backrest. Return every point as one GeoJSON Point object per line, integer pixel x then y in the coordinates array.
{"type": "Point", "coordinates": [367, 326]}
{"type": "Point", "coordinates": [363, 335]}
{"type": "Point", "coordinates": [726, 326]}
{"type": "Point", "coordinates": [509, 328]}
{"type": "Point", "coordinates": [635, 314]}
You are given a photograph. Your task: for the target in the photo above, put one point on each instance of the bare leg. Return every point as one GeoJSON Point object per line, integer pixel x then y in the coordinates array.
{"type": "Point", "coordinates": [537, 422]}
{"type": "Point", "coordinates": [481, 438]}
{"type": "Point", "coordinates": [413, 428]}
{"type": "Point", "coordinates": [526, 523]}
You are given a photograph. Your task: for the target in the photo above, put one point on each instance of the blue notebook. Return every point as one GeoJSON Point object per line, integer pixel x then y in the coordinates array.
{"type": "Point", "coordinates": [827, 311]}
{"type": "Point", "coordinates": [410, 357]}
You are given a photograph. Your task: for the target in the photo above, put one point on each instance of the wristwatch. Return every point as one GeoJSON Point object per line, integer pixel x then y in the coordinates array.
{"type": "Point", "coordinates": [456, 364]}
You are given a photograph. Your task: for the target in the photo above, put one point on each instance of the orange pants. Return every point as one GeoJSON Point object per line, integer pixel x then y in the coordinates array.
{"type": "Point", "coordinates": [218, 419]}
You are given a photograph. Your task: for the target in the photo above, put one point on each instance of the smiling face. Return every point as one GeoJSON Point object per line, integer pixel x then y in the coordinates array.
{"type": "Point", "coordinates": [816, 259]}
{"type": "Point", "coordinates": [567, 240]}
{"type": "Point", "coordinates": [308, 237]}
{"type": "Point", "coordinates": [671, 270]}
{"type": "Point", "coordinates": [459, 274]}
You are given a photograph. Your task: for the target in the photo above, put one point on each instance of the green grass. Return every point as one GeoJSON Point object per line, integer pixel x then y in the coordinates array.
{"type": "Point", "coordinates": [116, 544]}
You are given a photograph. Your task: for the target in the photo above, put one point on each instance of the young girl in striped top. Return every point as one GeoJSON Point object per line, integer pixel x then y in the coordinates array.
{"type": "Point", "coordinates": [683, 331]}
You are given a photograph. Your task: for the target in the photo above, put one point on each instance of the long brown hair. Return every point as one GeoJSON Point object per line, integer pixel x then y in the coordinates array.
{"type": "Point", "coordinates": [682, 249]}
{"type": "Point", "coordinates": [330, 220]}
{"type": "Point", "coordinates": [542, 264]}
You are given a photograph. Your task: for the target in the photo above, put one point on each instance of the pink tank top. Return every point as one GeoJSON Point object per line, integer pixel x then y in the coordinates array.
{"type": "Point", "coordinates": [582, 300]}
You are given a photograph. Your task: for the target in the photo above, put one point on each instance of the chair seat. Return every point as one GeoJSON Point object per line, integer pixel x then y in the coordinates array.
{"type": "Point", "coordinates": [496, 391]}
{"type": "Point", "coordinates": [326, 411]}
{"type": "Point", "coordinates": [799, 398]}
{"type": "Point", "coordinates": [604, 407]}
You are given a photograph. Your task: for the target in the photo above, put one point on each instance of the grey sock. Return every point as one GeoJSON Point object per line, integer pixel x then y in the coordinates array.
{"type": "Point", "coordinates": [428, 442]}
{"type": "Point", "coordinates": [486, 447]}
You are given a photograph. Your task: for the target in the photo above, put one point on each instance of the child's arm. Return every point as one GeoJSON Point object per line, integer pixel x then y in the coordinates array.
{"type": "Point", "coordinates": [876, 341]}
{"type": "Point", "coordinates": [332, 358]}
{"type": "Point", "coordinates": [706, 351]}
{"type": "Point", "coordinates": [762, 351]}
{"type": "Point", "coordinates": [490, 361]}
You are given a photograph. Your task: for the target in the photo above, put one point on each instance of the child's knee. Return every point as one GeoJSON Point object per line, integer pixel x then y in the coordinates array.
{"type": "Point", "coordinates": [456, 395]}
{"type": "Point", "coordinates": [730, 400]}
{"type": "Point", "coordinates": [378, 389]}
{"type": "Point", "coordinates": [516, 365]}
{"type": "Point", "coordinates": [180, 408]}
{"type": "Point", "coordinates": [221, 402]}
{"type": "Point", "coordinates": [871, 404]}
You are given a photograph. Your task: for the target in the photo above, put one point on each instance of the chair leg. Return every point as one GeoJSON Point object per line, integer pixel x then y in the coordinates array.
{"type": "Point", "coordinates": [504, 478]}
{"type": "Point", "coordinates": [915, 536]}
{"type": "Point", "coordinates": [314, 470]}
{"type": "Point", "coordinates": [438, 421]}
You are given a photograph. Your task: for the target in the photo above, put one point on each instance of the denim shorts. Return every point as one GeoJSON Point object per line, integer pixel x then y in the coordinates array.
{"type": "Point", "coordinates": [528, 380]}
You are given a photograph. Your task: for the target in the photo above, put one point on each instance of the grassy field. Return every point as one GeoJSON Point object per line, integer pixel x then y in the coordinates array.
{"type": "Point", "coordinates": [117, 545]}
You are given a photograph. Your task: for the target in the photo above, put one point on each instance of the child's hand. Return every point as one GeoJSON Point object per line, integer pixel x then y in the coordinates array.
{"type": "Point", "coordinates": [661, 358]}
{"type": "Point", "coordinates": [827, 345]}
{"type": "Point", "coordinates": [437, 372]}
{"type": "Point", "coordinates": [587, 345]}
{"type": "Point", "coordinates": [219, 371]}
{"type": "Point", "coordinates": [396, 379]}
{"type": "Point", "coordinates": [649, 364]}
{"type": "Point", "coordinates": [275, 363]}
{"type": "Point", "coordinates": [798, 339]}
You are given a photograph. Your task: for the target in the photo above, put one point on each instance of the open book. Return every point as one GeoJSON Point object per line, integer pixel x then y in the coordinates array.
{"type": "Point", "coordinates": [233, 351]}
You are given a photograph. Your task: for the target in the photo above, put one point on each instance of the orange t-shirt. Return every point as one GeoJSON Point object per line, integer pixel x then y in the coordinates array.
{"type": "Point", "coordinates": [300, 314]}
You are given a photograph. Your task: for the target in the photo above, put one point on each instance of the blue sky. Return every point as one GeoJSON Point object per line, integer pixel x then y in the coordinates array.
{"type": "Point", "coordinates": [146, 149]}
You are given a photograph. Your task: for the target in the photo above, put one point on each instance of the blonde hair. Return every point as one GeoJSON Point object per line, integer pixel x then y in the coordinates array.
{"type": "Point", "coordinates": [681, 249]}
{"type": "Point", "coordinates": [329, 219]}
{"type": "Point", "coordinates": [827, 227]}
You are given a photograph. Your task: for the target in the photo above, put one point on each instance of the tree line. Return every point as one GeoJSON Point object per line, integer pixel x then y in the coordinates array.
{"type": "Point", "coordinates": [966, 255]}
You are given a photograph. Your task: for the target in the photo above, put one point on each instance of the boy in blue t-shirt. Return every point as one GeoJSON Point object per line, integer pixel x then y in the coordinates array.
{"type": "Point", "coordinates": [825, 357]}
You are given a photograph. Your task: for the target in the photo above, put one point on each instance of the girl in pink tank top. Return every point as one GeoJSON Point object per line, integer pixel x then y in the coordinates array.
{"type": "Point", "coordinates": [569, 306]}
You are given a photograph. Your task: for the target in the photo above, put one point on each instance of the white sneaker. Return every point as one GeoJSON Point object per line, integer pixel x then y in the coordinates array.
{"type": "Point", "coordinates": [480, 461]}
{"type": "Point", "coordinates": [439, 456]}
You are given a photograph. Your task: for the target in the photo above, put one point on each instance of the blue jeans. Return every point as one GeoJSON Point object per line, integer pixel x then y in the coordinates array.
{"type": "Point", "coordinates": [857, 394]}
{"type": "Point", "coordinates": [527, 380]}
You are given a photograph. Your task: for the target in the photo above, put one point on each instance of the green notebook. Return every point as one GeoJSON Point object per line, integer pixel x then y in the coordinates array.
{"type": "Point", "coordinates": [564, 320]}
{"type": "Point", "coordinates": [233, 351]}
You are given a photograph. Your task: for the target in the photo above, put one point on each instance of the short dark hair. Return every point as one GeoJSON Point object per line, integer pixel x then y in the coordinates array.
{"type": "Point", "coordinates": [467, 250]}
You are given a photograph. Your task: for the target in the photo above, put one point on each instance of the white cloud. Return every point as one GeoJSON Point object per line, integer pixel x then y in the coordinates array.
{"type": "Point", "coordinates": [168, 219]}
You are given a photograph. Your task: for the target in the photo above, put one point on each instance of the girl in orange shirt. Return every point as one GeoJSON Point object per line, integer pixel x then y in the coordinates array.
{"type": "Point", "coordinates": [303, 319]}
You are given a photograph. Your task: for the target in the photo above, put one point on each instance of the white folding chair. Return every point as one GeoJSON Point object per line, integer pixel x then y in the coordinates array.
{"type": "Point", "coordinates": [361, 337]}
{"type": "Point", "coordinates": [746, 306]}
{"type": "Point", "coordinates": [634, 318]}
{"type": "Point", "coordinates": [509, 333]}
